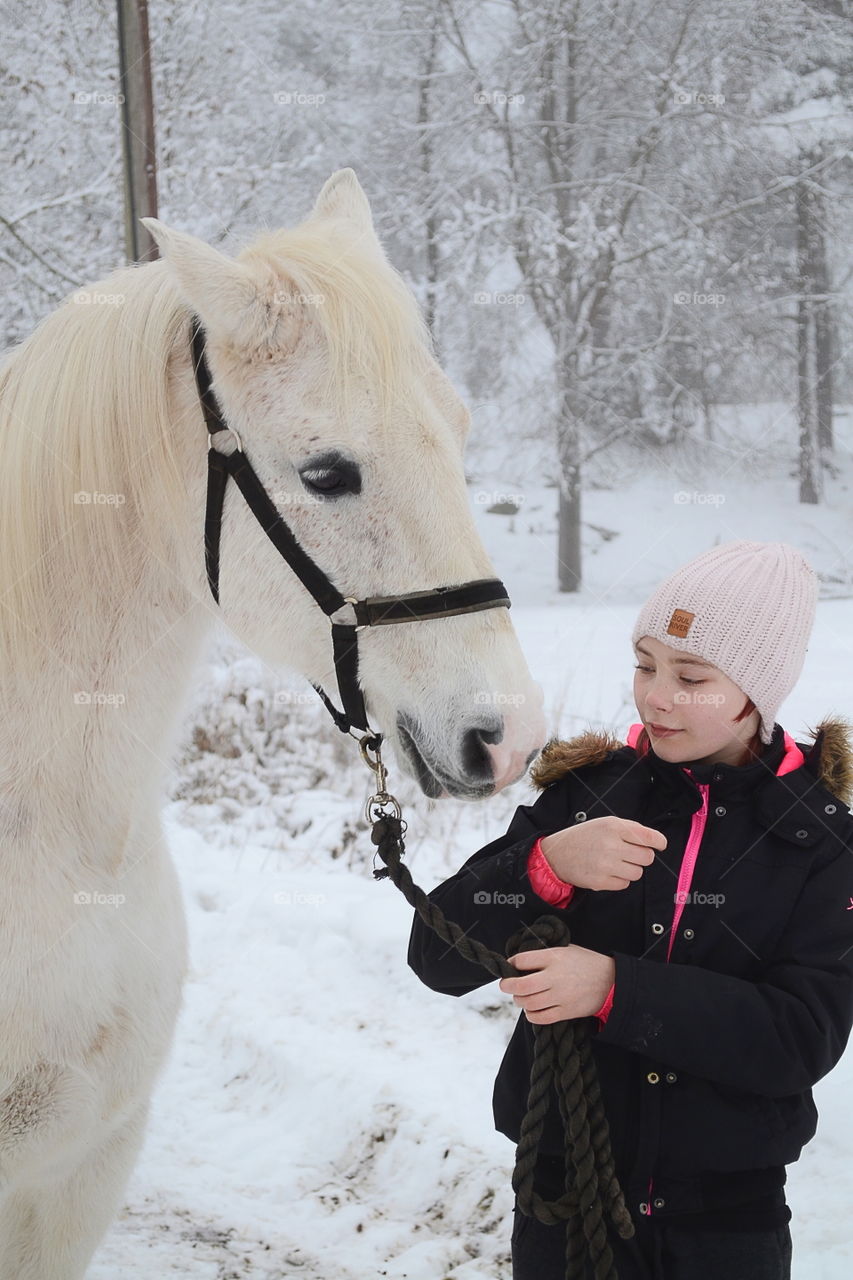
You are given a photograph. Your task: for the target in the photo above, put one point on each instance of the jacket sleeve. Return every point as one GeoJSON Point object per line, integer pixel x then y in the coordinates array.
{"type": "Point", "coordinates": [774, 1037]}
{"type": "Point", "coordinates": [490, 897]}
{"type": "Point", "coordinates": [544, 880]}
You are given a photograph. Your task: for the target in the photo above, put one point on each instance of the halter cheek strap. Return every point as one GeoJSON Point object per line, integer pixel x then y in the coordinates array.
{"type": "Point", "coordinates": [374, 611]}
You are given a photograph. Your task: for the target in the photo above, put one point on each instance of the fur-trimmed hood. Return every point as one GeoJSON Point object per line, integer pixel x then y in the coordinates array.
{"type": "Point", "coordinates": [830, 756]}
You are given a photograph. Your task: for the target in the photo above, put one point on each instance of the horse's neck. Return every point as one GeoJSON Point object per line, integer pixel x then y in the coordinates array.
{"type": "Point", "coordinates": [84, 752]}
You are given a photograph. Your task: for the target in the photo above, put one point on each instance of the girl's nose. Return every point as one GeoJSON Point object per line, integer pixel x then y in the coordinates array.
{"type": "Point", "coordinates": [658, 698]}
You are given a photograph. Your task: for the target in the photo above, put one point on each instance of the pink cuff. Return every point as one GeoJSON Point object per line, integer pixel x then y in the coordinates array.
{"type": "Point", "coordinates": [543, 880]}
{"type": "Point", "coordinates": [604, 1011]}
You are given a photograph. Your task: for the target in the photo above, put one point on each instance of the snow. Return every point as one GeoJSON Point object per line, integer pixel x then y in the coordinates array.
{"type": "Point", "coordinates": [323, 1115]}
{"type": "Point", "coordinates": [812, 123]}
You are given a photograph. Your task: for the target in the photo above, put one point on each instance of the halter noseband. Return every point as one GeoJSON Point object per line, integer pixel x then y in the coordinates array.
{"type": "Point", "coordinates": [375, 611]}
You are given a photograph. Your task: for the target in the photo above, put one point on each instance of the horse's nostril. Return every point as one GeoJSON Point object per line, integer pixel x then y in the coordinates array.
{"type": "Point", "coordinates": [476, 760]}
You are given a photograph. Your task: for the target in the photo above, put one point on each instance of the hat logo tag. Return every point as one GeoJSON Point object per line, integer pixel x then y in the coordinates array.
{"type": "Point", "coordinates": [679, 623]}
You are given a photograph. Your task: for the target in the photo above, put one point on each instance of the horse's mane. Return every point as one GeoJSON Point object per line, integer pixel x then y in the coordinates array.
{"type": "Point", "coordinates": [369, 319]}
{"type": "Point", "coordinates": [85, 406]}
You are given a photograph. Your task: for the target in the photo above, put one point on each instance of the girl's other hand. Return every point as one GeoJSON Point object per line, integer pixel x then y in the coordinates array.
{"type": "Point", "coordinates": [567, 982]}
{"type": "Point", "coordinates": [604, 853]}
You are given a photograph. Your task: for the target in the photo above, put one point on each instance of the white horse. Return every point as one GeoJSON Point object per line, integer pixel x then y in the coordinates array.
{"type": "Point", "coordinates": [314, 345]}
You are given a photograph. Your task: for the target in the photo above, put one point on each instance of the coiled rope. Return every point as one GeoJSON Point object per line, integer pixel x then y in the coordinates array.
{"type": "Point", "coordinates": [562, 1056]}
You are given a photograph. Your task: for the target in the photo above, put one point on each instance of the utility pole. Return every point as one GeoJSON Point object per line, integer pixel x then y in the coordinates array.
{"type": "Point", "coordinates": [137, 129]}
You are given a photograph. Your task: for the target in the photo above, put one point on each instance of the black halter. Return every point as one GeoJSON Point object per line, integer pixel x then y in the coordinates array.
{"type": "Point", "coordinates": [415, 606]}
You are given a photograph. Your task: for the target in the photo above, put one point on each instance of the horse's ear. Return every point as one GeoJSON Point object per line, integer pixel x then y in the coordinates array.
{"type": "Point", "coordinates": [342, 196]}
{"type": "Point", "coordinates": [217, 288]}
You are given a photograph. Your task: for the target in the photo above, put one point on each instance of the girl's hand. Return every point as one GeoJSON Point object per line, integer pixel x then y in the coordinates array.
{"type": "Point", "coordinates": [603, 853]}
{"type": "Point", "coordinates": [567, 982]}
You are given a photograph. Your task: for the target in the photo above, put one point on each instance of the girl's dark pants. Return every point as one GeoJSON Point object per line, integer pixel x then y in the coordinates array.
{"type": "Point", "coordinates": [659, 1250]}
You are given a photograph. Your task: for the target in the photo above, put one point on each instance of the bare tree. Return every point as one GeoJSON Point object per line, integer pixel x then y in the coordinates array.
{"type": "Point", "coordinates": [615, 143]}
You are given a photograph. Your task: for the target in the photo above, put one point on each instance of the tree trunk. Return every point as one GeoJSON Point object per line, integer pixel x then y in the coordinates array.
{"type": "Point", "coordinates": [808, 258]}
{"type": "Point", "coordinates": [807, 406]}
{"type": "Point", "coordinates": [425, 141]}
{"type": "Point", "coordinates": [824, 346]}
{"type": "Point", "coordinates": [569, 559]}
{"type": "Point", "coordinates": [824, 338]}
{"type": "Point", "coordinates": [561, 148]}
{"type": "Point", "coordinates": [569, 539]}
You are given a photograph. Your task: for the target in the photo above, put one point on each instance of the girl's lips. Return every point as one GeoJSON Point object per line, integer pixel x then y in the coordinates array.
{"type": "Point", "coordinates": [659, 731]}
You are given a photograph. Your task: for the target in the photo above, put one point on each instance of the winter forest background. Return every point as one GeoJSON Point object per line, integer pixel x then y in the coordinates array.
{"type": "Point", "coordinates": [628, 224]}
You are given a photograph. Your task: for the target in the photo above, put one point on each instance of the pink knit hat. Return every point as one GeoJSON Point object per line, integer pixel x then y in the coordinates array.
{"type": "Point", "coordinates": [747, 607]}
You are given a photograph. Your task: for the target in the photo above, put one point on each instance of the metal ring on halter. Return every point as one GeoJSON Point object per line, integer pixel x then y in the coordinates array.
{"type": "Point", "coordinates": [232, 432]}
{"type": "Point", "coordinates": [360, 626]}
{"type": "Point", "coordinates": [382, 798]}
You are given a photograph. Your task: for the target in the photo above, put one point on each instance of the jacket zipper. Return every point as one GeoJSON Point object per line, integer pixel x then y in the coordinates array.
{"type": "Point", "coordinates": [688, 862]}
{"type": "Point", "coordinates": [685, 877]}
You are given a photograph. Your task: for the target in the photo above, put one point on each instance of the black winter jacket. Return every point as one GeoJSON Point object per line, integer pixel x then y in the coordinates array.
{"type": "Point", "coordinates": [706, 1061]}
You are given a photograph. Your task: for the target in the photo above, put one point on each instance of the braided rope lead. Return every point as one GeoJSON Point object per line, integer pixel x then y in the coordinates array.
{"type": "Point", "coordinates": [562, 1057]}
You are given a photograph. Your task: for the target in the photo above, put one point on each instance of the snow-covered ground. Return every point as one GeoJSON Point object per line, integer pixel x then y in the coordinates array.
{"type": "Point", "coordinates": [323, 1115]}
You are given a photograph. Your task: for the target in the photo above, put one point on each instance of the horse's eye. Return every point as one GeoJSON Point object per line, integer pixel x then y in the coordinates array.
{"type": "Point", "coordinates": [331, 479]}
{"type": "Point", "coordinates": [325, 481]}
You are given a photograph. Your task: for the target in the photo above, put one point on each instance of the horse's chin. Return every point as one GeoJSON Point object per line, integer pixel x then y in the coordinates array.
{"type": "Point", "coordinates": [435, 781]}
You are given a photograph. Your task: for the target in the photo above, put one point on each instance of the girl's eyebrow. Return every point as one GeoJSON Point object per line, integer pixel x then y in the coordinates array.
{"type": "Point", "coordinates": [686, 660]}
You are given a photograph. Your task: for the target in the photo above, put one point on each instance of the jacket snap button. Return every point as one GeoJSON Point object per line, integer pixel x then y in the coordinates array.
{"type": "Point", "coordinates": [653, 1077]}
{"type": "Point", "coordinates": [670, 1077]}
{"type": "Point", "coordinates": [659, 1202]}
{"type": "Point", "coordinates": [657, 928]}
{"type": "Point", "coordinates": [644, 1208]}
{"type": "Point", "coordinates": [688, 933]}
{"type": "Point", "coordinates": [580, 817]}
{"type": "Point", "coordinates": [801, 835]}
{"type": "Point", "coordinates": [720, 811]}
{"type": "Point", "coordinates": [829, 808]}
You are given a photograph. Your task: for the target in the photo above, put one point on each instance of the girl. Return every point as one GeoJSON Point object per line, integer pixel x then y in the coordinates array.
{"type": "Point", "coordinates": [705, 872]}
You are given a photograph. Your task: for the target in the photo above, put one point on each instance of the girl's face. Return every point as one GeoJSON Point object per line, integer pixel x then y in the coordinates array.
{"type": "Point", "coordinates": [674, 690]}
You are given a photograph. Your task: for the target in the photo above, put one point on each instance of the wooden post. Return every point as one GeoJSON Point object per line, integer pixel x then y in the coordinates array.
{"type": "Point", "coordinates": [137, 121]}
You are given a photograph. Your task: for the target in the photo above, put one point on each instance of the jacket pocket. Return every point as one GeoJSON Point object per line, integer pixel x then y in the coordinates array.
{"type": "Point", "coordinates": [785, 1114]}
